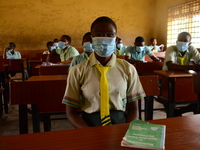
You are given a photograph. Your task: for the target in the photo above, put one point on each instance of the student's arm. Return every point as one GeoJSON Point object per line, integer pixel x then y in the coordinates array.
{"type": "Point", "coordinates": [173, 66]}
{"type": "Point", "coordinates": [52, 53]}
{"type": "Point", "coordinates": [132, 61]}
{"type": "Point", "coordinates": [132, 108]}
{"type": "Point", "coordinates": [162, 47]}
{"type": "Point", "coordinates": [74, 118]}
{"type": "Point", "coordinates": [68, 61]}
{"type": "Point", "coordinates": [154, 58]}
{"type": "Point", "coordinates": [4, 53]}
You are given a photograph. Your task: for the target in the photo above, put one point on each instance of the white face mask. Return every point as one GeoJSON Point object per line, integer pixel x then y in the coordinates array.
{"type": "Point", "coordinates": [139, 48]}
{"type": "Point", "coordinates": [119, 46]}
{"type": "Point", "coordinates": [10, 50]}
{"type": "Point", "coordinates": [62, 45]}
{"type": "Point", "coordinates": [56, 44]}
{"type": "Point", "coordinates": [52, 48]}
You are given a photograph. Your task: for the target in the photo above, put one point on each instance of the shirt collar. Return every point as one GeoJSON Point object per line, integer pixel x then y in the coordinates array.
{"type": "Point", "coordinates": [94, 61]}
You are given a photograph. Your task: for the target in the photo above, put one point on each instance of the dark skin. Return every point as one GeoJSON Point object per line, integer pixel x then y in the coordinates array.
{"type": "Point", "coordinates": [154, 42]}
{"type": "Point", "coordinates": [49, 47]}
{"type": "Point", "coordinates": [100, 29]}
{"type": "Point", "coordinates": [132, 61]}
{"type": "Point", "coordinates": [53, 52]}
{"type": "Point", "coordinates": [173, 66]}
{"type": "Point", "coordinates": [10, 46]}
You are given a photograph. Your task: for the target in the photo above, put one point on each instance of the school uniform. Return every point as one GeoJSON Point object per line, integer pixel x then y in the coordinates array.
{"type": "Point", "coordinates": [67, 53]}
{"type": "Point", "coordinates": [83, 86]}
{"type": "Point", "coordinates": [46, 52]}
{"type": "Point", "coordinates": [16, 55]}
{"type": "Point", "coordinates": [174, 55]}
{"type": "Point", "coordinates": [131, 50]}
{"type": "Point", "coordinates": [121, 50]}
{"type": "Point", "coordinates": [157, 48]}
{"type": "Point", "coordinates": [78, 59]}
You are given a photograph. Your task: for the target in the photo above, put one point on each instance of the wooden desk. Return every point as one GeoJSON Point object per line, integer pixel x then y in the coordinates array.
{"type": "Point", "coordinates": [31, 65]}
{"type": "Point", "coordinates": [171, 76]}
{"type": "Point", "coordinates": [47, 90]}
{"type": "Point", "coordinates": [181, 133]}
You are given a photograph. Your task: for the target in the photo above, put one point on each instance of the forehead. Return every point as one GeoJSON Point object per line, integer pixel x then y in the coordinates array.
{"type": "Point", "coordinates": [184, 38]}
{"type": "Point", "coordinates": [11, 45]}
{"type": "Point", "coordinates": [139, 43]}
{"type": "Point", "coordinates": [103, 27]}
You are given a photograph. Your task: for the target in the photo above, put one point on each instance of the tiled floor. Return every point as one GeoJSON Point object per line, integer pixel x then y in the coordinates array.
{"type": "Point", "coordinates": [10, 125]}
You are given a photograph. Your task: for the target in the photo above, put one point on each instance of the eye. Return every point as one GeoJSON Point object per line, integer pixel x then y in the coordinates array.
{"type": "Point", "coordinates": [110, 34]}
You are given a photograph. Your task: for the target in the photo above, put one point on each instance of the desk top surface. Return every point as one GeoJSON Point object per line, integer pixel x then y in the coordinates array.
{"type": "Point", "coordinates": [47, 78]}
{"type": "Point", "coordinates": [53, 65]}
{"type": "Point", "coordinates": [181, 133]}
{"type": "Point", "coordinates": [173, 74]}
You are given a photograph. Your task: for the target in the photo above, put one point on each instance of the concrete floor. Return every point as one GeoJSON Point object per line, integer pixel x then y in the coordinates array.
{"type": "Point", "coordinates": [9, 124]}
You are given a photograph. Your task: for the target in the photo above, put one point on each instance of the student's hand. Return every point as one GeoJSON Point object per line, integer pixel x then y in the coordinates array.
{"type": "Point", "coordinates": [162, 45]}
{"type": "Point", "coordinates": [6, 49]}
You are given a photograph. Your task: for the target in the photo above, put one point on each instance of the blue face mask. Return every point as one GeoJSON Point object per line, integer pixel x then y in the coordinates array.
{"type": "Point", "coordinates": [87, 46]}
{"type": "Point", "coordinates": [182, 46]}
{"type": "Point", "coordinates": [104, 46]}
{"type": "Point", "coordinates": [10, 50]}
{"type": "Point", "coordinates": [61, 45]}
{"type": "Point", "coordinates": [139, 48]}
{"type": "Point", "coordinates": [119, 46]}
{"type": "Point", "coordinates": [52, 48]}
{"type": "Point", "coordinates": [56, 44]}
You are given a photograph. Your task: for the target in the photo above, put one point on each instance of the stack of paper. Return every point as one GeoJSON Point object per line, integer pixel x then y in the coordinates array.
{"type": "Point", "coordinates": [141, 134]}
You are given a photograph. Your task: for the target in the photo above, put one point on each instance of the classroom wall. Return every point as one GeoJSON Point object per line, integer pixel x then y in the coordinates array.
{"type": "Point", "coordinates": [30, 24]}
{"type": "Point", "coordinates": [161, 17]}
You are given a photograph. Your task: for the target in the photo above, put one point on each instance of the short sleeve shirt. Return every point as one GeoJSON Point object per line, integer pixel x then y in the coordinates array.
{"type": "Point", "coordinates": [157, 48]}
{"type": "Point", "coordinates": [16, 55]}
{"type": "Point", "coordinates": [131, 50]}
{"type": "Point", "coordinates": [46, 52]}
{"type": "Point", "coordinates": [78, 59]}
{"type": "Point", "coordinates": [121, 50]}
{"type": "Point", "coordinates": [83, 82]}
{"type": "Point", "coordinates": [173, 54]}
{"type": "Point", "coordinates": [68, 53]}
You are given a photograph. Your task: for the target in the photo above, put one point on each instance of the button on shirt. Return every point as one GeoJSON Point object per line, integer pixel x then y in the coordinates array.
{"type": "Point", "coordinates": [173, 54]}
{"type": "Point", "coordinates": [131, 50]}
{"type": "Point", "coordinates": [83, 87]}
{"type": "Point", "coordinates": [68, 53]}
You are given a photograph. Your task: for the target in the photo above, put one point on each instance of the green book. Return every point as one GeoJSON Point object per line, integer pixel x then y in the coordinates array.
{"type": "Point", "coordinates": [141, 134]}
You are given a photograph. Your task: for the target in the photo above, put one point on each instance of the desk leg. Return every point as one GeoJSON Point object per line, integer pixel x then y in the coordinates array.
{"type": "Point", "coordinates": [35, 118]}
{"type": "Point", "coordinates": [198, 103]}
{"type": "Point", "coordinates": [23, 119]}
{"type": "Point", "coordinates": [171, 105]}
{"type": "Point", "coordinates": [148, 108]}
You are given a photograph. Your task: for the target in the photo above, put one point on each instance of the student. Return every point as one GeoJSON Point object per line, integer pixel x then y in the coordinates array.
{"type": "Point", "coordinates": [178, 56]}
{"type": "Point", "coordinates": [87, 47]}
{"type": "Point", "coordinates": [64, 49]}
{"type": "Point", "coordinates": [55, 41]}
{"type": "Point", "coordinates": [154, 47]}
{"type": "Point", "coordinates": [84, 90]}
{"type": "Point", "coordinates": [136, 53]}
{"type": "Point", "coordinates": [50, 46]}
{"type": "Point", "coordinates": [10, 53]}
{"type": "Point", "coordinates": [120, 48]}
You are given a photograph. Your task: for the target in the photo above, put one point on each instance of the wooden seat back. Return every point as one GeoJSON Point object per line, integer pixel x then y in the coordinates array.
{"type": "Point", "coordinates": [196, 83]}
{"type": "Point", "coordinates": [54, 70]}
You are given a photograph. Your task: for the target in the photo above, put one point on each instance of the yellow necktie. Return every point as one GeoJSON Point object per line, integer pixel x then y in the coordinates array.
{"type": "Point", "coordinates": [182, 59]}
{"type": "Point", "coordinates": [104, 96]}
{"type": "Point", "coordinates": [63, 57]}
{"type": "Point", "coordinates": [119, 52]}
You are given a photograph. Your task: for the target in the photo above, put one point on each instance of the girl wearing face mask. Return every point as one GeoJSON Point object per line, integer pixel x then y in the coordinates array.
{"type": "Point", "coordinates": [10, 53]}
{"type": "Point", "coordinates": [87, 47]}
{"type": "Point", "coordinates": [136, 53]}
{"type": "Point", "coordinates": [102, 96]}
{"type": "Point", "coordinates": [50, 46]}
{"type": "Point", "coordinates": [119, 47]}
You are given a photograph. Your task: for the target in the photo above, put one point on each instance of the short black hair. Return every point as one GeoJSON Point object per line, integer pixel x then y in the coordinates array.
{"type": "Point", "coordinates": [67, 37]}
{"type": "Point", "coordinates": [103, 19]}
{"type": "Point", "coordinates": [139, 39]}
{"type": "Point", "coordinates": [152, 39]}
{"type": "Point", "coordinates": [184, 33]}
{"type": "Point", "coordinates": [48, 43]}
{"type": "Point", "coordinates": [13, 44]}
{"type": "Point", "coordinates": [55, 40]}
{"type": "Point", "coordinates": [86, 34]}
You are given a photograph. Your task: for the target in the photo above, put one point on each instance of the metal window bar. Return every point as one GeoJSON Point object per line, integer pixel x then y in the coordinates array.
{"type": "Point", "coordinates": [184, 18]}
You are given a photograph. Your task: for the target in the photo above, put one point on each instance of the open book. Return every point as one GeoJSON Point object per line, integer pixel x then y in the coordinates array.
{"type": "Point", "coordinates": [141, 134]}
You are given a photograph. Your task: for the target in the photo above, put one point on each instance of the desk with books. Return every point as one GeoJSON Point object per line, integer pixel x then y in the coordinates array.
{"type": "Point", "coordinates": [181, 133]}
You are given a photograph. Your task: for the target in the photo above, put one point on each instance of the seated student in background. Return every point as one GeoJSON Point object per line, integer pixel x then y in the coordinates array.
{"type": "Point", "coordinates": [55, 41]}
{"type": "Point", "coordinates": [104, 88]}
{"type": "Point", "coordinates": [120, 48]}
{"type": "Point", "coordinates": [64, 49]}
{"type": "Point", "coordinates": [154, 47]}
{"type": "Point", "coordinates": [136, 53]}
{"type": "Point", "coordinates": [87, 47]}
{"type": "Point", "coordinates": [50, 46]}
{"type": "Point", "coordinates": [177, 57]}
{"type": "Point", "coordinates": [10, 53]}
